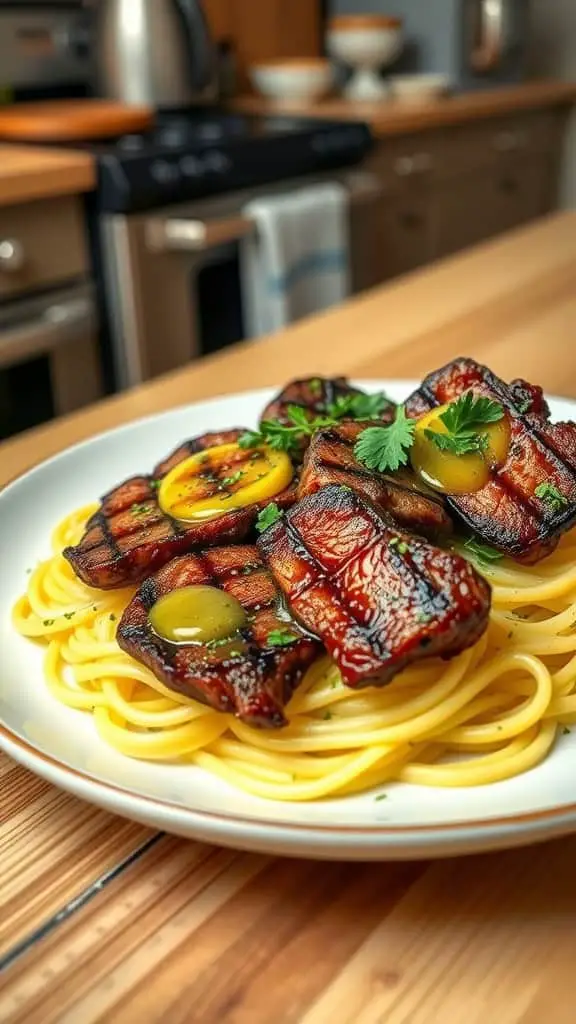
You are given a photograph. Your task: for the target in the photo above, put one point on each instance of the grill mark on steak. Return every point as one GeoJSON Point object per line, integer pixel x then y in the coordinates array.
{"type": "Point", "coordinates": [506, 512]}
{"type": "Point", "coordinates": [330, 459]}
{"type": "Point", "coordinates": [377, 598]}
{"type": "Point", "coordinates": [130, 536]}
{"type": "Point", "coordinates": [255, 686]}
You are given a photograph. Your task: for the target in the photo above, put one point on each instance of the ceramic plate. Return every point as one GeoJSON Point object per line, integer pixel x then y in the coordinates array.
{"type": "Point", "coordinates": [61, 744]}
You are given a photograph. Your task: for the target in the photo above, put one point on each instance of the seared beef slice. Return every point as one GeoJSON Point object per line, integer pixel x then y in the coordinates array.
{"type": "Point", "coordinates": [255, 682]}
{"type": "Point", "coordinates": [377, 598]}
{"type": "Point", "coordinates": [330, 459]}
{"type": "Point", "coordinates": [130, 536]}
{"type": "Point", "coordinates": [507, 512]}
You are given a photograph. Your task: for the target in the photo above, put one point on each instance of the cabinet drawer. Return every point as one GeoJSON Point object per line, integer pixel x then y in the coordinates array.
{"type": "Point", "coordinates": [41, 243]}
{"type": "Point", "coordinates": [480, 144]}
{"type": "Point", "coordinates": [407, 162]}
{"type": "Point", "coordinates": [405, 235]}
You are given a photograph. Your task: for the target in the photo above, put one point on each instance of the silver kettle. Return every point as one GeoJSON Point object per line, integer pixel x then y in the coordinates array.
{"type": "Point", "coordinates": [154, 52]}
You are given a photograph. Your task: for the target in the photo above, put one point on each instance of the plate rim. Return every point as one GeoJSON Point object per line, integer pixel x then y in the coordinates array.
{"type": "Point", "coordinates": [473, 834]}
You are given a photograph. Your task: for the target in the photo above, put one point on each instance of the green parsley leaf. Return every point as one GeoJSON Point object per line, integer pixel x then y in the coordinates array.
{"type": "Point", "coordinates": [479, 552]}
{"type": "Point", "coordinates": [315, 386]}
{"type": "Point", "coordinates": [470, 411]}
{"type": "Point", "coordinates": [48, 622]}
{"type": "Point", "coordinates": [327, 716]}
{"type": "Point", "coordinates": [458, 444]}
{"type": "Point", "coordinates": [359, 407]}
{"type": "Point", "coordinates": [565, 730]}
{"type": "Point", "coordinates": [112, 617]}
{"type": "Point", "coordinates": [280, 638]}
{"type": "Point", "coordinates": [550, 494]}
{"type": "Point", "coordinates": [268, 516]}
{"type": "Point", "coordinates": [155, 484]}
{"type": "Point", "coordinates": [140, 510]}
{"type": "Point", "coordinates": [463, 419]}
{"type": "Point", "coordinates": [381, 796]}
{"type": "Point", "coordinates": [386, 448]}
{"type": "Point", "coordinates": [229, 481]}
{"type": "Point", "coordinates": [400, 545]}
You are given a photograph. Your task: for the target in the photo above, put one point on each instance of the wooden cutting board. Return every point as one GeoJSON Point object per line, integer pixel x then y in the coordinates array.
{"type": "Point", "coordinates": [69, 120]}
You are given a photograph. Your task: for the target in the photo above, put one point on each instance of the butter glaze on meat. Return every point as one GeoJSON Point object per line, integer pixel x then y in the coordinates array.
{"type": "Point", "coordinates": [130, 536]}
{"type": "Point", "coordinates": [254, 686]}
{"type": "Point", "coordinates": [377, 598]}
{"type": "Point", "coordinates": [330, 459]}
{"type": "Point", "coordinates": [506, 512]}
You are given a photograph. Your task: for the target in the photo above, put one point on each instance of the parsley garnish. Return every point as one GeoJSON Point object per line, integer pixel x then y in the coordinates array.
{"type": "Point", "coordinates": [381, 796]}
{"type": "Point", "coordinates": [229, 481]}
{"type": "Point", "coordinates": [315, 386]}
{"type": "Point", "coordinates": [386, 448]}
{"type": "Point", "coordinates": [112, 617]}
{"type": "Point", "coordinates": [565, 730]}
{"type": "Point", "coordinates": [480, 552]}
{"type": "Point", "coordinates": [155, 484]}
{"type": "Point", "coordinates": [287, 437]}
{"type": "Point", "coordinates": [48, 622]}
{"type": "Point", "coordinates": [268, 516]}
{"type": "Point", "coordinates": [140, 510]}
{"type": "Point", "coordinates": [327, 716]}
{"type": "Point", "coordinates": [69, 615]}
{"type": "Point", "coordinates": [400, 545]}
{"type": "Point", "coordinates": [280, 638]}
{"type": "Point", "coordinates": [463, 419]}
{"type": "Point", "coordinates": [359, 407]}
{"type": "Point", "coordinates": [550, 494]}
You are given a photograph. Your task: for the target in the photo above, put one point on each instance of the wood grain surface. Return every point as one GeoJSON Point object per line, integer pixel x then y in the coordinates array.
{"type": "Point", "coordinates": [102, 920]}
{"type": "Point", "coordinates": [69, 120]}
{"type": "Point", "coordinates": [395, 118]}
{"type": "Point", "coordinates": [34, 172]}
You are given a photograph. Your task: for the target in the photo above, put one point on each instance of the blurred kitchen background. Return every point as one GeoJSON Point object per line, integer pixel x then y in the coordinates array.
{"type": "Point", "coordinates": [177, 176]}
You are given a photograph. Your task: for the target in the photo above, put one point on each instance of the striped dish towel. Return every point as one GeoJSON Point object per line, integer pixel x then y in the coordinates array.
{"type": "Point", "coordinates": [297, 261]}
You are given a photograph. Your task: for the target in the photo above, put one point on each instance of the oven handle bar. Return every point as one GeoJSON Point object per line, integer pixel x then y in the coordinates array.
{"type": "Point", "coordinates": [58, 322]}
{"type": "Point", "coordinates": [182, 234]}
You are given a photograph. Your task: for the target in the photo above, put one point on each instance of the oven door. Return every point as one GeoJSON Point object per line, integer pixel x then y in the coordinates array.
{"type": "Point", "coordinates": [49, 362]}
{"type": "Point", "coordinates": [173, 285]}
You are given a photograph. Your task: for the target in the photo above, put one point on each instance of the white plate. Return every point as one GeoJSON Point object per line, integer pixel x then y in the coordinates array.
{"type": "Point", "coordinates": [61, 744]}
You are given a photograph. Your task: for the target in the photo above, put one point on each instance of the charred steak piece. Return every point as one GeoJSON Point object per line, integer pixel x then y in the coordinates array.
{"type": "Point", "coordinates": [377, 598]}
{"type": "Point", "coordinates": [130, 536]}
{"type": "Point", "coordinates": [318, 396]}
{"type": "Point", "coordinates": [250, 678]}
{"type": "Point", "coordinates": [330, 459]}
{"type": "Point", "coordinates": [508, 512]}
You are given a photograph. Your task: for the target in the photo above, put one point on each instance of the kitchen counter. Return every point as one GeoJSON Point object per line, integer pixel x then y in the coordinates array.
{"type": "Point", "coordinates": [120, 924]}
{"type": "Point", "coordinates": [393, 118]}
{"type": "Point", "coordinates": [36, 172]}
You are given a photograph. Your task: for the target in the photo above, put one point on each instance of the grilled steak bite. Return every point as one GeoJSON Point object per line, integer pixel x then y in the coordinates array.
{"type": "Point", "coordinates": [249, 677]}
{"type": "Point", "coordinates": [531, 498]}
{"type": "Point", "coordinates": [330, 459]}
{"type": "Point", "coordinates": [130, 536]}
{"type": "Point", "coordinates": [377, 598]}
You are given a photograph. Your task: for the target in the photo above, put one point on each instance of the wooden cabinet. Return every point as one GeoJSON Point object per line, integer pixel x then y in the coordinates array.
{"type": "Point", "coordinates": [263, 29]}
{"type": "Point", "coordinates": [444, 190]}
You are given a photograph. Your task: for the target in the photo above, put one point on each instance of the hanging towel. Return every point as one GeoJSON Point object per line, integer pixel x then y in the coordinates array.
{"type": "Point", "coordinates": [297, 260]}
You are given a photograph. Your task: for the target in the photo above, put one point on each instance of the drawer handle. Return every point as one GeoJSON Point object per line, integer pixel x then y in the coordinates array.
{"type": "Point", "coordinates": [404, 166]}
{"type": "Point", "coordinates": [11, 255]}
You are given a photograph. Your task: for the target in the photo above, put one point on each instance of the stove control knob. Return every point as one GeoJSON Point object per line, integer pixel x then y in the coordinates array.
{"type": "Point", "coordinates": [164, 173]}
{"type": "Point", "coordinates": [11, 255]}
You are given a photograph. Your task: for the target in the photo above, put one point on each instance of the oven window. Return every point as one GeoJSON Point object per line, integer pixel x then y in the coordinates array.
{"type": "Point", "coordinates": [25, 396]}
{"type": "Point", "coordinates": [218, 295]}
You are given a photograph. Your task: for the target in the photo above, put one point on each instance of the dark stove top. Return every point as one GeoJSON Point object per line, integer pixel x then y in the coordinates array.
{"type": "Point", "coordinates": [188, 156]}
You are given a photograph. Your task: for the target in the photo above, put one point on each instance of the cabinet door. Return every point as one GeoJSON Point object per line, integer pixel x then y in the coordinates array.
{"type": "Point", "coordinates": [465, 212]}
{"type": "Point", "coordinates": [404, 235]}
{"type": "Point", "coordinates": [521, 192]}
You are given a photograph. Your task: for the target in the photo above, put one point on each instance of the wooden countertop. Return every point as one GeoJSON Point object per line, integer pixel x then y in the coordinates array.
{"type": "Point", "coordinates": [101, 919]}
{"type": "Point", "coordinates": [394, 118]}
{"type": "Point", "coordinates": [36, 172]}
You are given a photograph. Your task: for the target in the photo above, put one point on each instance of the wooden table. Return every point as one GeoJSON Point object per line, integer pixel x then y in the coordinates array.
{"type": "Point", "coordinates": [101, 920]}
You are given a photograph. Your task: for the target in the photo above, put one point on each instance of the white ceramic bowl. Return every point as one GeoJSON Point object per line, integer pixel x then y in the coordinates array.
{"type": "Point", "coordinates": [366, 43]}
{"type": "Point", "coordinates": [419, 88]}
{"type": "Point", "coordinates": [292, 80]}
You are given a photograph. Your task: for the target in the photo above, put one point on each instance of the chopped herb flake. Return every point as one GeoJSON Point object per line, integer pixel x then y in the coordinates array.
{"type": "Point", "coordinates": [281, 638]}
{"type": "Point", "coordinates": [550, 494]}
{"type": "Point", "coordinates": [268, 516]}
